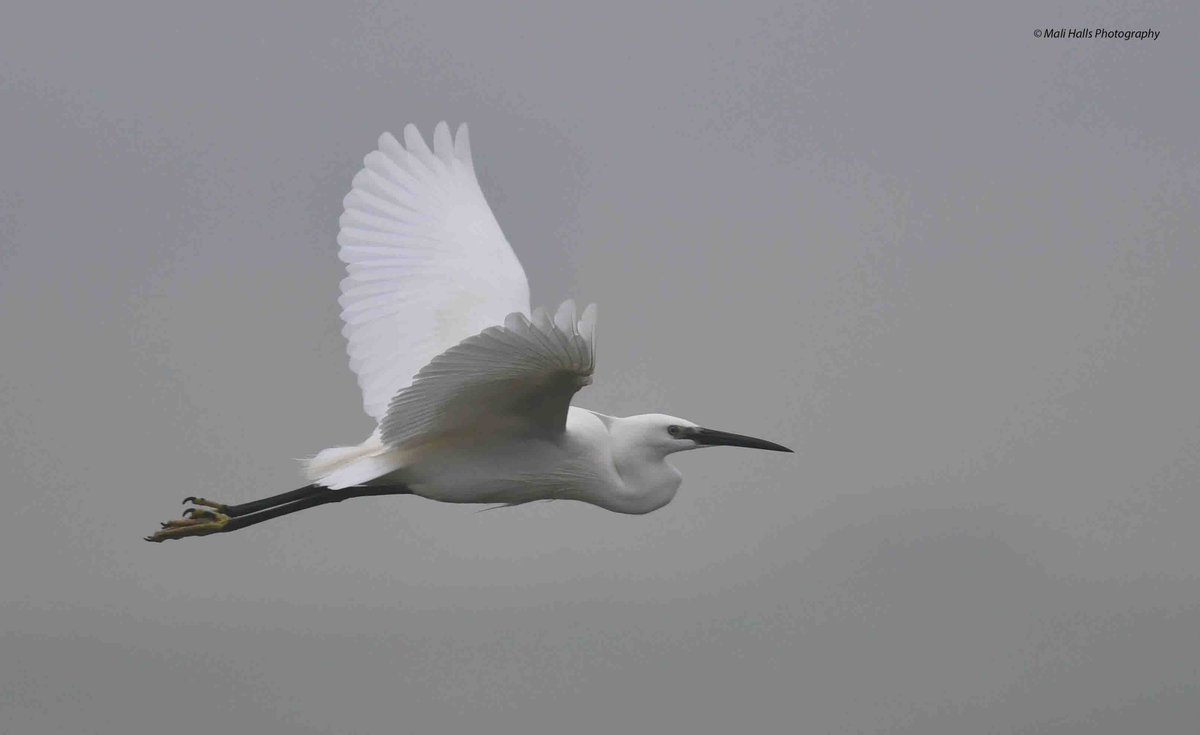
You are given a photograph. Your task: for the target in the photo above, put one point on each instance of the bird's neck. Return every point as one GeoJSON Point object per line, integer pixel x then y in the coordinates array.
{"type": "Point", "coordinates": [650, 481]}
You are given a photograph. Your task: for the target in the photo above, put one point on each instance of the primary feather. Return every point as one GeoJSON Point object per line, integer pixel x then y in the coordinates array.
{"type": "Point", "coordinates": [427, 262]}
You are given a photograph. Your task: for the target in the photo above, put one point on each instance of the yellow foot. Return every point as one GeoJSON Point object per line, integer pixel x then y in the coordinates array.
{"type": "Point", "coordinates": [198, 522]}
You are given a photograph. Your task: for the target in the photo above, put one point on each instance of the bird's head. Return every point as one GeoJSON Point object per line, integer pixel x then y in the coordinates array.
{"type": "Point", "coordinates": [669, 434]}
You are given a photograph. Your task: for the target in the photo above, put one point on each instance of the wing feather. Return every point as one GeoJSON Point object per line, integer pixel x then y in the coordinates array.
{"type": "Point", "coordinates": [427, 264]}
{"type": "Point", "coordinates": [517, 378]}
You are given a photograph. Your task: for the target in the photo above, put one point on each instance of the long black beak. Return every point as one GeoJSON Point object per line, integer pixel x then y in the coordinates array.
{"type": "Point", "coordinates": [713, 437]}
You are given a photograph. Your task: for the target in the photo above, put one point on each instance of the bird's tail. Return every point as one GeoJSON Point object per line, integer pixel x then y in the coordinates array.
{"type": "Point", "coordinates": [328, 461]}
{"type": "Point", "coordinates": [339, 467]}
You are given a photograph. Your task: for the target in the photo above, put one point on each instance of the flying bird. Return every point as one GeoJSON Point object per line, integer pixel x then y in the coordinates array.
{"type": "Point", "coordinates": [470, 389]}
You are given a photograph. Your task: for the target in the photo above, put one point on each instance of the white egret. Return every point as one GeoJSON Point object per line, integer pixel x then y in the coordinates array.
{"type": "Point", "coordinates": [471, 390]}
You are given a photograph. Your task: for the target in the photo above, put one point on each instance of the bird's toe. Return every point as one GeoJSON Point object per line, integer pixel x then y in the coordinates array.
{"type": "Point", "coordinates": [204, 503]}
{"type": "Point", "coordinates": [200, 523]}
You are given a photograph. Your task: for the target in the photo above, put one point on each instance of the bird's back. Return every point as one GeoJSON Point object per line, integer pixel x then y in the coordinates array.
{"type": "Point", "coordinates": [491, 467]}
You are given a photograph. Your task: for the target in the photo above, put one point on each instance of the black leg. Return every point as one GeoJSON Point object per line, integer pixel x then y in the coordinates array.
{"type": "Point", "coordinates": [233, 511]}
{"type": "Point", "coordinates": [324, 497]}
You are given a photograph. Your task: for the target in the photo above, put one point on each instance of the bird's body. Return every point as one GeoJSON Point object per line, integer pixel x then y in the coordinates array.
{"type": "Point", "coordinates": [471, 388]}
{"type": "Point", "coordinates": [582, 463]}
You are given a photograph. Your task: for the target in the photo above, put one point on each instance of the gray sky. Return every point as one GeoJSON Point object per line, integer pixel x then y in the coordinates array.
{"type": "Point", "coordinates": [954, 265]}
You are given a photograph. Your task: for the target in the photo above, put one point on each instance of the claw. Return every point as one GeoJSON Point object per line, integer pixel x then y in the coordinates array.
{"type": "Point", "coordinates": [187, 512]}
{"type": "Point", "coordinates": [189, 499]}
{"type": "Point", "coordinates": [206, 503]}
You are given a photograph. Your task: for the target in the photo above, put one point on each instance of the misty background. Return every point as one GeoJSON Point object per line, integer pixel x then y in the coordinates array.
{"type": "Point", "coordinates": [953, 265]}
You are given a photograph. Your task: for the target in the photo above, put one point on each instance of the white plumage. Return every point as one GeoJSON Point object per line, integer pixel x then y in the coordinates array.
{"type": "Point", "coordinates": [471, 391]}
{"type": "Point", "coordinates": [427, 263]}
{"type": "Point", "coordinates": [522, 375]}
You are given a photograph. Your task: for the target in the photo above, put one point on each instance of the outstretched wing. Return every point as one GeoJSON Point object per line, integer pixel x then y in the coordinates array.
{"type": "Point", "coordinates": [428, 265]}
{"type": "Point", "coordinates": [517, 379]}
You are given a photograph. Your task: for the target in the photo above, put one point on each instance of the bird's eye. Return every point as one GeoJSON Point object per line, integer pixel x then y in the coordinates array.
{"type": "Point", "coordinates": [673, 430]}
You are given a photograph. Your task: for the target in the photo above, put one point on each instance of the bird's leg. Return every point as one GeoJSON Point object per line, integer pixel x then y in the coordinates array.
{"type": "Point", "coordinates": [233, 511]}
{"type": "Point", "coordinates": [202, 522]}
